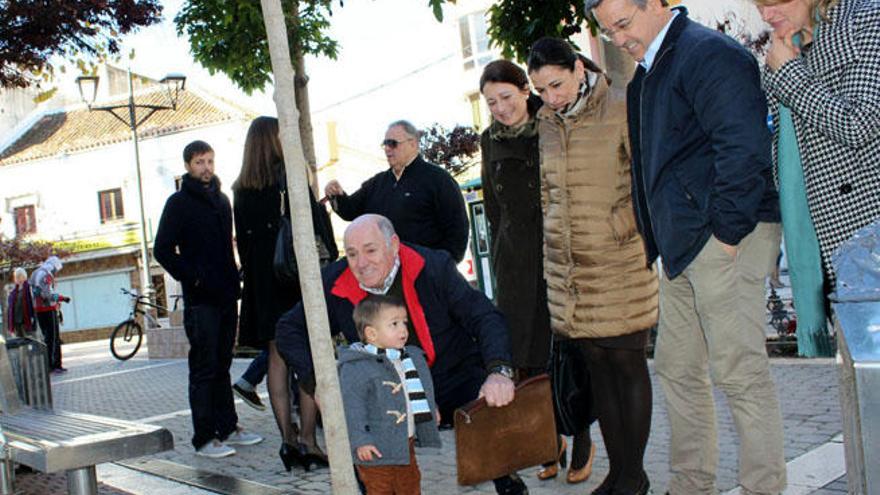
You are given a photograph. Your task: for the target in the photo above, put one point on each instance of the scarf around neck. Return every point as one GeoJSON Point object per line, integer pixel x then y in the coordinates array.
{"type": "Point", "coordinates": [580, 101]}
{"type": "Point", "coordinates": [415, 391]}
{"type": "Point", "coordinates": [500, 132]}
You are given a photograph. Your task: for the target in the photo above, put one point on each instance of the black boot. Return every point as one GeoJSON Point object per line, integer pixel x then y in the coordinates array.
{"type": "Point", "coordinates": [510, 485]}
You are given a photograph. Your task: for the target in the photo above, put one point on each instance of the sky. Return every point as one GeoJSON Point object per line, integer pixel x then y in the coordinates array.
{"type": "Point", "coordinates": [380, 41]}
{"type": "Point", "coordinates": [395, 62]}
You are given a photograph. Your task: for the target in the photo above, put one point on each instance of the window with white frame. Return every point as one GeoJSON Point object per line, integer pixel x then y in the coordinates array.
{"type": "Point", "coordinates": [473, 30]}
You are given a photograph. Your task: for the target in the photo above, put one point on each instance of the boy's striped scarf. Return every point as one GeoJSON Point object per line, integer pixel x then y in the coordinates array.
{"type": "Point", "coordinates": [418, 400]}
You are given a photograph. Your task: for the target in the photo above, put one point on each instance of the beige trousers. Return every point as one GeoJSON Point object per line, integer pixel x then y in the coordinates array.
{"type": "Point", "coordinates": [712, 321]}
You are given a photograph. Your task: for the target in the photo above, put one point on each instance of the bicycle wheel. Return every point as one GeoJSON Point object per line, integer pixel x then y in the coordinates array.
{"type": "Point", "coordinates": [126, 339]}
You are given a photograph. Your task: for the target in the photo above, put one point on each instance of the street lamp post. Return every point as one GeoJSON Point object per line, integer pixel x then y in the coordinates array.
{"type": "Point", "coordinates": [174, 84]}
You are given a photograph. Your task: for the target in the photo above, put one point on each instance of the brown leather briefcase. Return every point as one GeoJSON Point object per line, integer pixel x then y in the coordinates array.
{"type": "Point", "coordinates": [491, 442]}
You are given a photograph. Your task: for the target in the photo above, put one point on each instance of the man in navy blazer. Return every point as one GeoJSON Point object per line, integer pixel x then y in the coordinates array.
{"type": "Point", "coordinates": [705, 204]}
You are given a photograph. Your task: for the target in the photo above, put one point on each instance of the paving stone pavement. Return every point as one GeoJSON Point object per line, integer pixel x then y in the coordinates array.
{"type": "Point", "coordinates": [143, 389]}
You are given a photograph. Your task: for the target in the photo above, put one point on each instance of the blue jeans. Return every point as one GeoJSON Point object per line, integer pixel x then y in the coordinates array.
{"type": "Point", "coordinates": [211, 333]}
{"type": "Point", "coordinates": [256, 371]}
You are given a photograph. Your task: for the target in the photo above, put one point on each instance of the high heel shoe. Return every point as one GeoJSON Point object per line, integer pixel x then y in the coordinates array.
{"type": "Point", "coordinates": [289, 455]}
{"type": "Point", "coordinates": [582, 474]}
{"type": "Point", "coordinates": [606, 487]}
{"type": "Point", "coordinates": [310, 457]}
{"type": "Point", "coordinates": [550, 471]}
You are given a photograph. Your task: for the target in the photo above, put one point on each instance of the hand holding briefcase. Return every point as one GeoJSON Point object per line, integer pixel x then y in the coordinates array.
{"type": "Point", "coordinates": [491, 442]}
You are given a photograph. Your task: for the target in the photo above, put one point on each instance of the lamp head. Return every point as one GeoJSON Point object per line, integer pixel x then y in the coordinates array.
{"type": "Point", "coordinates": [174, 83]}
{"type": "Point", "coordinates": [88, 89]}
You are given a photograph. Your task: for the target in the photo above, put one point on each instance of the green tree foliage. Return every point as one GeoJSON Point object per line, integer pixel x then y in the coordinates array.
{"type": "Point", "coordinates": [514, 25]}
{"type": "Point", "coordinates": [229, 36]}
{"type": "Point", "coordinates": [32, 31]}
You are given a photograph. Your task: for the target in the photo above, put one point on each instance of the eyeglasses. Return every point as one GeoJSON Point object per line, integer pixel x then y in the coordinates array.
{"type": "Point", "coordinates": [393, 143]}
{"type": "Point", "coordinates": [621, 25]}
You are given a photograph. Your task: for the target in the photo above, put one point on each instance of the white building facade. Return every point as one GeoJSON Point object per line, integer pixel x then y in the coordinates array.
{"type": "Point", "coordinates": [68, 176]}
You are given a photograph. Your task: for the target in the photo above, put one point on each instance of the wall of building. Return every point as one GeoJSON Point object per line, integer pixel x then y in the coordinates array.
{"type": "Point", "coordinates": [64, 191]}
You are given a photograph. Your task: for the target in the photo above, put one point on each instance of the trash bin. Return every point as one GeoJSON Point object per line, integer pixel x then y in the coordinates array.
{"type": "Point", "coordinates": [856, 304]}
{"type": "Point", "coordinates": [30, 368]}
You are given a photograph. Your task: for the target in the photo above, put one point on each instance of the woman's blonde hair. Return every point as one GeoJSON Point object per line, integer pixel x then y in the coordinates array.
{"type": "Point", "coordinates": [820, 7]}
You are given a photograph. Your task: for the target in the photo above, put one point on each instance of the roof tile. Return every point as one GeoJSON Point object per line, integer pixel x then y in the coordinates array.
{"type": "Point", "coordinates": [81, 129]}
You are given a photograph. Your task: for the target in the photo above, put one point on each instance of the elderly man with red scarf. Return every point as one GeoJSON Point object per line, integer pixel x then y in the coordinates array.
{"type": "Point", "coordinates": [463, 335]}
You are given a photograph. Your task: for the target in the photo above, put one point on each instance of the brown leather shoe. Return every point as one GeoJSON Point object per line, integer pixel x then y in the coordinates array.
{"type": "Point", "coordinates": [582, 474]}
{"type": "Point", "coordinates": [551, 470]}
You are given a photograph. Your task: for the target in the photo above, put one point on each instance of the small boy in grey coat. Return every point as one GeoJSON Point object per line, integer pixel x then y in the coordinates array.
{"type": "Point", "coordinates": [388, 396]}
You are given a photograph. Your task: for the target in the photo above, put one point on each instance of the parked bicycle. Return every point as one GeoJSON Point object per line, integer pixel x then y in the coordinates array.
{"type": "Point", "coordinates": [127, 337]}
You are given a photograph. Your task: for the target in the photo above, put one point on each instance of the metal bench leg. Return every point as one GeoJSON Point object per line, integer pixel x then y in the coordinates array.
{"type": "Point", "coordinates": [7, 476]}
{"type": "Point", "coordinates": [82, 481]}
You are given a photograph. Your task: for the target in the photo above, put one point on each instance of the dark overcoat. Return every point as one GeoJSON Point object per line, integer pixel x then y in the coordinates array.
{"type": "Point", "coordinates": [264, 299]}
{"type": "Point", "coordinates": [512, 197]}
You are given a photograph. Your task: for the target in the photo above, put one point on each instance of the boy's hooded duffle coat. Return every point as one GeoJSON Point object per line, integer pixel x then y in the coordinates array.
{"type": "Point", "coordinates": [373, 397]}
{"type": "Point", "coordinates": [594, 259]}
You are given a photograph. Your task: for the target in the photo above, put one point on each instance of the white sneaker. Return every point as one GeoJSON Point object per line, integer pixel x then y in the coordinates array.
{"type": "Point", "coordinates": [241, 437]}
{"type": "Point", "coordinates": [215, 449]}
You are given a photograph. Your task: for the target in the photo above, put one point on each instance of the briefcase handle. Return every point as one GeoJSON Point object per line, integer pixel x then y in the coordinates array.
{"type": "Point", "coordinates": [477, 404]}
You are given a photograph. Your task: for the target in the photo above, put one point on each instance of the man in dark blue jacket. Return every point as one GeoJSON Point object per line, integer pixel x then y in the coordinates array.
{"type": "Point", "coordinates": [194, 244]}
{"type": "Point", "coordinates": [464, 336]}
{"type": "Point", "coordinates": [706, 205]}
{"type": "Point", "coordinates": [420, 198]}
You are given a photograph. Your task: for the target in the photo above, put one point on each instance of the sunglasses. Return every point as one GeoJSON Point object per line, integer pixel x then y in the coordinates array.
{"type": "Point", "coordinates": [393, 143]}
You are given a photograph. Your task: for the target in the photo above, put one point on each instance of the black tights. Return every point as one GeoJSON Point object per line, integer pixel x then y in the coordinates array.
{"type": "Point", "coordinates": [622, 391]}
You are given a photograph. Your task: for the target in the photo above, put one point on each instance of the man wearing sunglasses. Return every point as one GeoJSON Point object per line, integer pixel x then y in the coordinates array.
{"type": "Point", "coordinates": [421, 199]}
{"type": "Point", "coordinates": [705, 203]}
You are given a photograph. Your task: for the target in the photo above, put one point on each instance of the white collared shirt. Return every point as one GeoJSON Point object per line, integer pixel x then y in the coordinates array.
{"type": "Point", "coordinates": [655, 45]}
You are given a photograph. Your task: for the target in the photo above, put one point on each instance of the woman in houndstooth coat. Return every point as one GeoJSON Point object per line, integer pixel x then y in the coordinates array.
{"type": "Point", "coordinates": [823, 66]}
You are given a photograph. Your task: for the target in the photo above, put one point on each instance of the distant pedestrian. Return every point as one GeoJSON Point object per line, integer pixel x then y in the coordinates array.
{"type": "Point", "coordinates": [704, 201]}
{"type": "Point", "coordinates": [46, 305]}
{"type": "Point", "coordinates": [388, 396]}
{"type": "Point", "coordinates": [423, 202]}
{"type": "Point", "coordinates": [194, 244]}
{"type": "Point", "coordinates": [20, 318]}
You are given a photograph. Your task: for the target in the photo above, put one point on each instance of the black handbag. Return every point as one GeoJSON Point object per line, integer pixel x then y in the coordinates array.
{"type": "Point", "coordinates": [284, 260]}
{"type": "Point", "coordinates": [572, 393]}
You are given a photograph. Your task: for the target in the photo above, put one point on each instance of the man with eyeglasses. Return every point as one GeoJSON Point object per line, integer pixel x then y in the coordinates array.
{"type": "Point", "coordinates": [421, 199]}
{"type": "Point", "coordinates": [706, 204]}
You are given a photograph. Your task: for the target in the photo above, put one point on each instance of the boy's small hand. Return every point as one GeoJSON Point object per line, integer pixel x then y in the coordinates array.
{"type": "Point", "coordinates": [365, 453]}
{"type": "Point", "coordinates": [437, 415]}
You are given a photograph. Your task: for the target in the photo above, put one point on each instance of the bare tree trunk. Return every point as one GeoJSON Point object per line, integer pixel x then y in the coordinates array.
{"type": "Point", "coordinates": [335, 431]}
{"type": "Point", "coordinates": [301, 99]}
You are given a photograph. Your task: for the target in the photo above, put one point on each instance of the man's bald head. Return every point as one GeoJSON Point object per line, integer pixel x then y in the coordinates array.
{"type": "Point", "coordinates": [371, 246]}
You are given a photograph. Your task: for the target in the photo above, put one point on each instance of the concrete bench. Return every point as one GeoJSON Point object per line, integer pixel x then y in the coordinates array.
{"type": "Point", "coordinates": [51, 441]}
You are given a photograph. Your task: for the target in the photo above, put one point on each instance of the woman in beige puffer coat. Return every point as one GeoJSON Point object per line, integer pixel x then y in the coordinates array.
{"type": "Point", "coordinates": [601, 292]}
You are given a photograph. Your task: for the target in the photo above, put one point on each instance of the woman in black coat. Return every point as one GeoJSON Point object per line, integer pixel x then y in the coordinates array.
{"type": "Point", "coordinates": [512, 197]}
{"type": "Point", "coordinates": [260, 200]}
